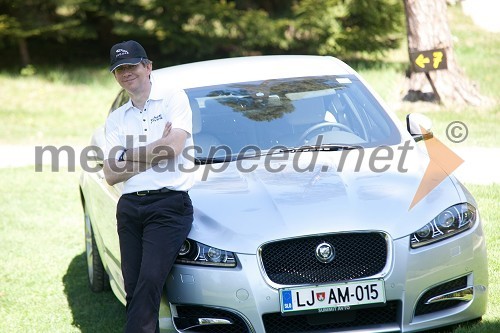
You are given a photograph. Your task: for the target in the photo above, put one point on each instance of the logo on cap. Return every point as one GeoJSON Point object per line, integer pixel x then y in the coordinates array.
{"type": "Point", "coordinates": [121, 52]}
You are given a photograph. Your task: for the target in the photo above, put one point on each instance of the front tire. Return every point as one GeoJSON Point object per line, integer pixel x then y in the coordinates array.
{"type": "Point", "coordinates": [98, 278]}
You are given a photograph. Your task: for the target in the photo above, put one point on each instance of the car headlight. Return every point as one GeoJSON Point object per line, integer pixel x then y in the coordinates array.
{"type": "Point", "coordinates": [451, 221]}
{"type": "Point", "coordinates": [195, 253]}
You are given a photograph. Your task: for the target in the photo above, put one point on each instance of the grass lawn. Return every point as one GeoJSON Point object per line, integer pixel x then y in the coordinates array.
{"type": "Point", "coordinates": [488, 199]}
{"type": "Point", "coordinates": [57, 106]}
{"type": "Point", "coordinates": [43, 282]}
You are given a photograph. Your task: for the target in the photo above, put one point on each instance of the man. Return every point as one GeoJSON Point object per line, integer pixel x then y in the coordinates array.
{"type": "Point", "coordinates": [144, 142]}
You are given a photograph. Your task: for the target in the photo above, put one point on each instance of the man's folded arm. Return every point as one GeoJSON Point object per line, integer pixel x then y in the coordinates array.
{"type": "Point", "coordinates": [116, 171]}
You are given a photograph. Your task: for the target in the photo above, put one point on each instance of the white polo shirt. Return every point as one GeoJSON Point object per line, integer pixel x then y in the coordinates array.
{"type": "Point", "coordinates": [128, 127]}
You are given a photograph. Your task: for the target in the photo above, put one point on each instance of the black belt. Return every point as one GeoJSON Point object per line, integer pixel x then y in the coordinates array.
{"type": "Point", "coordinates": [148, 192]}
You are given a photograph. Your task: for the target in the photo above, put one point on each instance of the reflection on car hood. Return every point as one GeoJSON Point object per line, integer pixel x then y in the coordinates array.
{"type": "Point", "coordinates": [238, 210]}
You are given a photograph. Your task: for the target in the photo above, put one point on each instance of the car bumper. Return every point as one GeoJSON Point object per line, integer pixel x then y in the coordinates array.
{"type": "Point", "coordinates": [455, 268]}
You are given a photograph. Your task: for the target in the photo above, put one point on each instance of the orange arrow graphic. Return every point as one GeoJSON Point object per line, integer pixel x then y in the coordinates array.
{"type": "Point", "coordinates": [421, 61]}
{"type": "Point", "coordinates": [443, 161]}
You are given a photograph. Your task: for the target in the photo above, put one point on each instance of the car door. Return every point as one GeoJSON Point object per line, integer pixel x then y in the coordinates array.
{"type": "Point", "coordinates": [103, 200]}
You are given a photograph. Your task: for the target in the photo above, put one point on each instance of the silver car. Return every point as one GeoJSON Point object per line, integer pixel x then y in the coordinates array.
{"type": "Point", "coordinates": [309, 214]}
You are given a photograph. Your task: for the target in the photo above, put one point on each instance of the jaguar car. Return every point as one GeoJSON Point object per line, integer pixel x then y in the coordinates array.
{"type": "Point", "coordinates": [309, 214]}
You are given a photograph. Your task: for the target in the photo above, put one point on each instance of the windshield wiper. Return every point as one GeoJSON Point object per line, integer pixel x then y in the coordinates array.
{"type": "Point", "coordinates": [322, 147]}
{"type": "Point", "coordinates": [281, 150]}
{"type": "Point", "coordinates": [212, 160]}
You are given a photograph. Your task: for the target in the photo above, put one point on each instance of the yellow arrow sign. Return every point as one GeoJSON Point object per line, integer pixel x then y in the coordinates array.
{"type": "Point", "coordinates": [421, 61]}
{"type": "Point", "coordinates": [438, 57]}
{"type": "Point", "coordinates": [430, 60]}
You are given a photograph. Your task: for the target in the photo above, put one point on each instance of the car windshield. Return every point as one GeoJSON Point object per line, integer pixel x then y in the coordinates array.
{"type": "Point", "coordinates": [291, 112]}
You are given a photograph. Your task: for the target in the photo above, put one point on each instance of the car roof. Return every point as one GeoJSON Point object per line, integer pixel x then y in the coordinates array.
{"type": "Point", "coordinates": [252, 68]}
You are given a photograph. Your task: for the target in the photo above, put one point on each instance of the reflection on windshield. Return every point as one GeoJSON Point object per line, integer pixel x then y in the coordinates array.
{"type": "Point", "coordinates": [289, 112]}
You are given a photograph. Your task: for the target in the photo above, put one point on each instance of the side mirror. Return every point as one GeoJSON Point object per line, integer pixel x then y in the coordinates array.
{"type": "Point", "coordinates": [419, 126]}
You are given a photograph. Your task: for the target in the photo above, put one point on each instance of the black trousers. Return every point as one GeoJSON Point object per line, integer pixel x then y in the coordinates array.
{"type": "Point", "coordinates": [151, 230]}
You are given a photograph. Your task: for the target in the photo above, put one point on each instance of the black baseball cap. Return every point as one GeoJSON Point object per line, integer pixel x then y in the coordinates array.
{"type": "Point", "coordinates": [126, 53]}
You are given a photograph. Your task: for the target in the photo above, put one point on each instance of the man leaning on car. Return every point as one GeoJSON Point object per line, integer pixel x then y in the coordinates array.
{"type": "Point", "coordinates": [154, 213]}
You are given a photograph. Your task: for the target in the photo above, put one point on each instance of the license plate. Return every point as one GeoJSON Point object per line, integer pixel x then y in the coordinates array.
{"type": "Point", "coordinates": [331, 298]}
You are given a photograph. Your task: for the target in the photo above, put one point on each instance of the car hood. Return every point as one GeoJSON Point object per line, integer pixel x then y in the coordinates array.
{"type": "Point", "coordinates": [241, 205]}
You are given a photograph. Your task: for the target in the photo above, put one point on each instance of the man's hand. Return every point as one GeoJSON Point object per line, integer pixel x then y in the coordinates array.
{"type": "Point", "coordinates": [168, 146]}
{"type": "Point", "coordinates": [167, 129]}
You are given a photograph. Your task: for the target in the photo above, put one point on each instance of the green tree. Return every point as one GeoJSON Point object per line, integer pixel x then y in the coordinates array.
{"type": "Point", "coordinates": [372, 26]}
{"type": "Point", "coordinates": [22, 20]}
{"type": "Point", "coordinates": [206, 28]}
{"type": "Point", "coordinates": [179, 31]}
{"type": "Point", "coordinates": [189, 30]}
{"type": "Point", "coordinates": [109, 21]}
{"type": "Point", "coordinates": [98, 23]}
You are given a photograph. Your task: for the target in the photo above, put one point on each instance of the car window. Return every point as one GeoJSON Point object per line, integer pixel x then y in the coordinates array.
{"type": "Point", "coordinates": [289, 112]}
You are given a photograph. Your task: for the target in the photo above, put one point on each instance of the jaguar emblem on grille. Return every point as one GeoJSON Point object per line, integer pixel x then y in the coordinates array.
{"type": "Point", "coordinates": [325, 253]}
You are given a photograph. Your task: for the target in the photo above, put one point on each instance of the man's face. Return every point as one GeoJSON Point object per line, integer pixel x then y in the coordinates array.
{"type": "Point", "coordinates": [133, 78]}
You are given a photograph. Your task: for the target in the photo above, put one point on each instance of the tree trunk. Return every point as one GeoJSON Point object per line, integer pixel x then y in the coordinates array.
{"type": "Point", "coordinates": [23, 51]}
{"type": "Point", "coordinates": [428, 29]}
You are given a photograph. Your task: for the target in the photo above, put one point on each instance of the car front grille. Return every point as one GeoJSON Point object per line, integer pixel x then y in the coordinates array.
{"type": "Point", "coordinates": [293, 261]}
{"type": "Point", "coordinates": [324, 322]}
